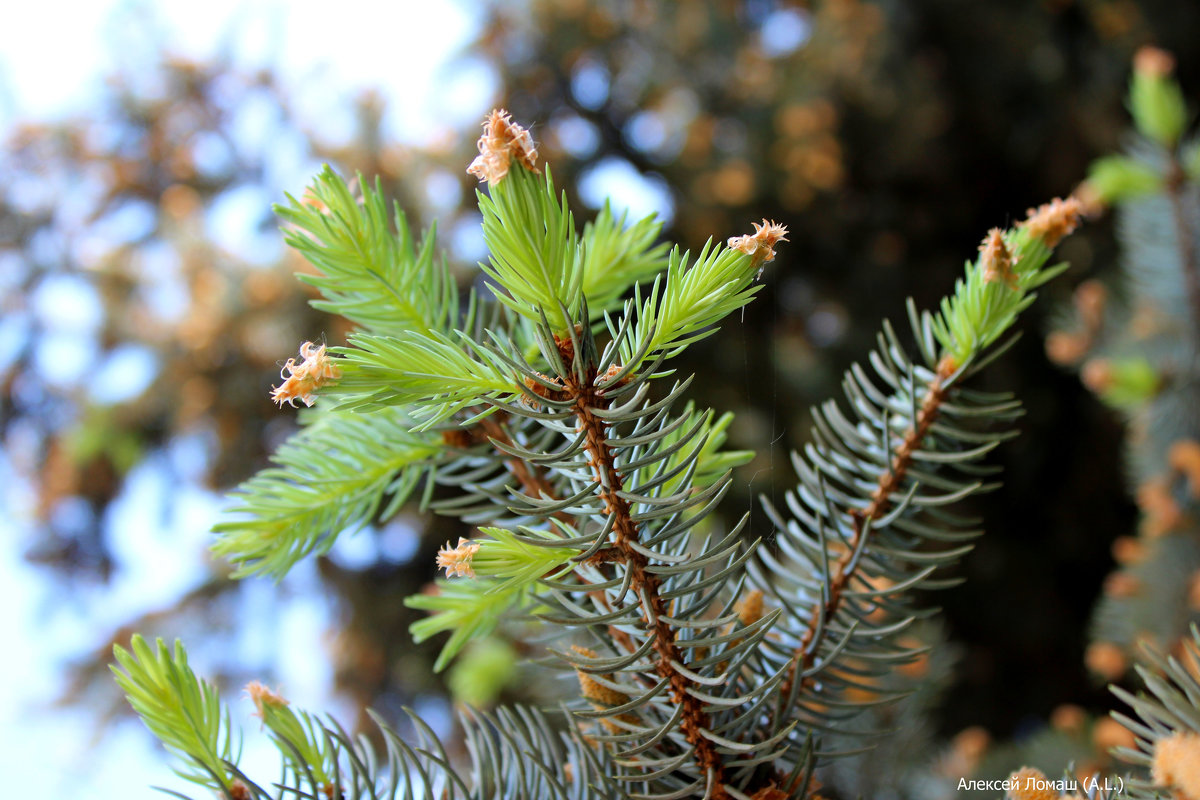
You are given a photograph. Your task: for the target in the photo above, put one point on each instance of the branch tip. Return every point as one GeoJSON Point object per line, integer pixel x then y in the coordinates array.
{"type": "Point", "coordinates": [1177, 764]}
{"type": "Point", "coordinates": [1051, 221]}
{"type": "Point", "coordinates": [996, 260]}
{"type": "Point", "coordinates": [263, 698]}
{"type": "Point", "coordinates": [457, 560]}
{"type": "Point", "coordinates": [302, 381]}
{"type": "Point", "coordinates": [501, 142]}
{"type": "Point", "coordinates": [1153, 61]}
{"type": "Point", "coordinates": [760, 244]}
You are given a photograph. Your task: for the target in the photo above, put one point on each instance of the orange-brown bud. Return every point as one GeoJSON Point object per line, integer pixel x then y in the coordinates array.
{"type": "Point", "coordinates": [773, 792]}
{"type": "Point", "coordinates": [1162, 513]}
{"type": "Point", "coordinates": [1106, 659]}
{"type": "Point", "coordinates": [750, 608]}
{"type": "Point", "coordinates": [592, 689]}
{"type": "Point", "coordinates": [1177, 764]}
{"type": "Point", "coordinates": [1091, 298]}
{"type": "Point", "coordinates": [1097, 375]}
{"type": "Point", "coordinates": [1194, 591]}
{"type": "Point", "coordinates": [457, 560]}
{"type": "Point", "coordinates": [316, 370]}
{"type": "Point", "coordinates": [540, 389]}
{"type": "Point", "coordinates": [760, 245]}
{"type": "Point", "coordinates": [1030, 784]}
{"type": "Point", "coordinates": [967, 749]}
{"type": "Point", "coordinates": [918, 667]}
{"type": "Point", "coordinates": [263, 697]}
{"type": "Point", "coordinates": [1153, 62]}
{"type": "Point", "coordinates": [1184, 456]}
{"type": "Point", "coordinates": [1068, 718]}
{"type": "Point", "coordinates": [502, 141]}
{"type": "Point", "coordinates": [1052, 221]}
{"type": "Point", "coordinates": [1065, 348]}
{"type": "Point", "coordinates": [1128, 550]}
{"type": "Point", "coordinates": [599, 695]}
{"type": "Point", "coordinates": [1121, 584]}
{"type": "Point", "coordinates": [996, 261]}
{"type": "Point", "coordinates": [1108, 733]}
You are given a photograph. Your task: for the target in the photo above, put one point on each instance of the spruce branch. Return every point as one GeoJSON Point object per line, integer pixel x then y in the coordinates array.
{"type": "Point", "coordinates": [1159, 163]}
{"type": "Point", "coordinates": [536, 261]}
{"type": "Point", "coordinates": [514, 753]}
{"type": "Point", "coordinates": [331, 477]}
{"type": "Point", "coordinates": [182, 711]}
{"type": "Point", "coordinates": [1155, 100]}
{"type": "Point", "coordinates": [642, 486]}
{"type": "Point", "coordinates": [434, 375]}
{"type": "Point", "coordinates": [648, 465]}
{"type": "Point", "coordinates": [875, 487]}
{"type": "Point", "coordinates": [594, 491]}
{"type": "Point", "coordinates": [843, 570]}
{"type": "Point", "coordinates": [1167, 723]}
{"type": "Point", "coordinates": [469, 609]}
{"type": "Point", "coordinates": [694, 720]}
{"type": "Point", "coordinates": [1138, 355]}
{"type": "Point", "coordinates": [377, 278]}
{"type": "Point", "coordinates": [1176, 185]}
{"type": "Point", "coordinates": [298, 736]}
{"type": "Point", "coordinates": [683, 305]}
{"type": "Point", "coordinates": [1160, 114]}
{"type": "Point", "coordinates": [692, 437]}
{"type": "Point", "coordinates": [707, 666]}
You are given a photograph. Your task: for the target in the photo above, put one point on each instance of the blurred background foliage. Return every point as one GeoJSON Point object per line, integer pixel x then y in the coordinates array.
{"type": "Point", "coordinates": [148, 302]}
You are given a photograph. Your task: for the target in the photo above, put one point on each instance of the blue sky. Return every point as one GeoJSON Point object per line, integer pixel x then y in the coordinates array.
{"type": "Point", "coordinates": [57, 73]}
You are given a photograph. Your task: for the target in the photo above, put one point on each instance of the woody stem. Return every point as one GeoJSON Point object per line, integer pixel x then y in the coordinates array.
{"type": "Point", "coordinates": [645, 584]}
{"type": "Point", "coordinates": [840, 571]}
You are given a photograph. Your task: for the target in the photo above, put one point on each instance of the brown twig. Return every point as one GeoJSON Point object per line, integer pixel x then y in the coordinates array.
{"type": "Point", "coordinates": [533, 479]}
{"type": "Point", "coordinates": [644, 584]}
{"type": "Point", "coordinates": [889, 483]}
{"type": "Point", "coordinates": [535, 484]}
